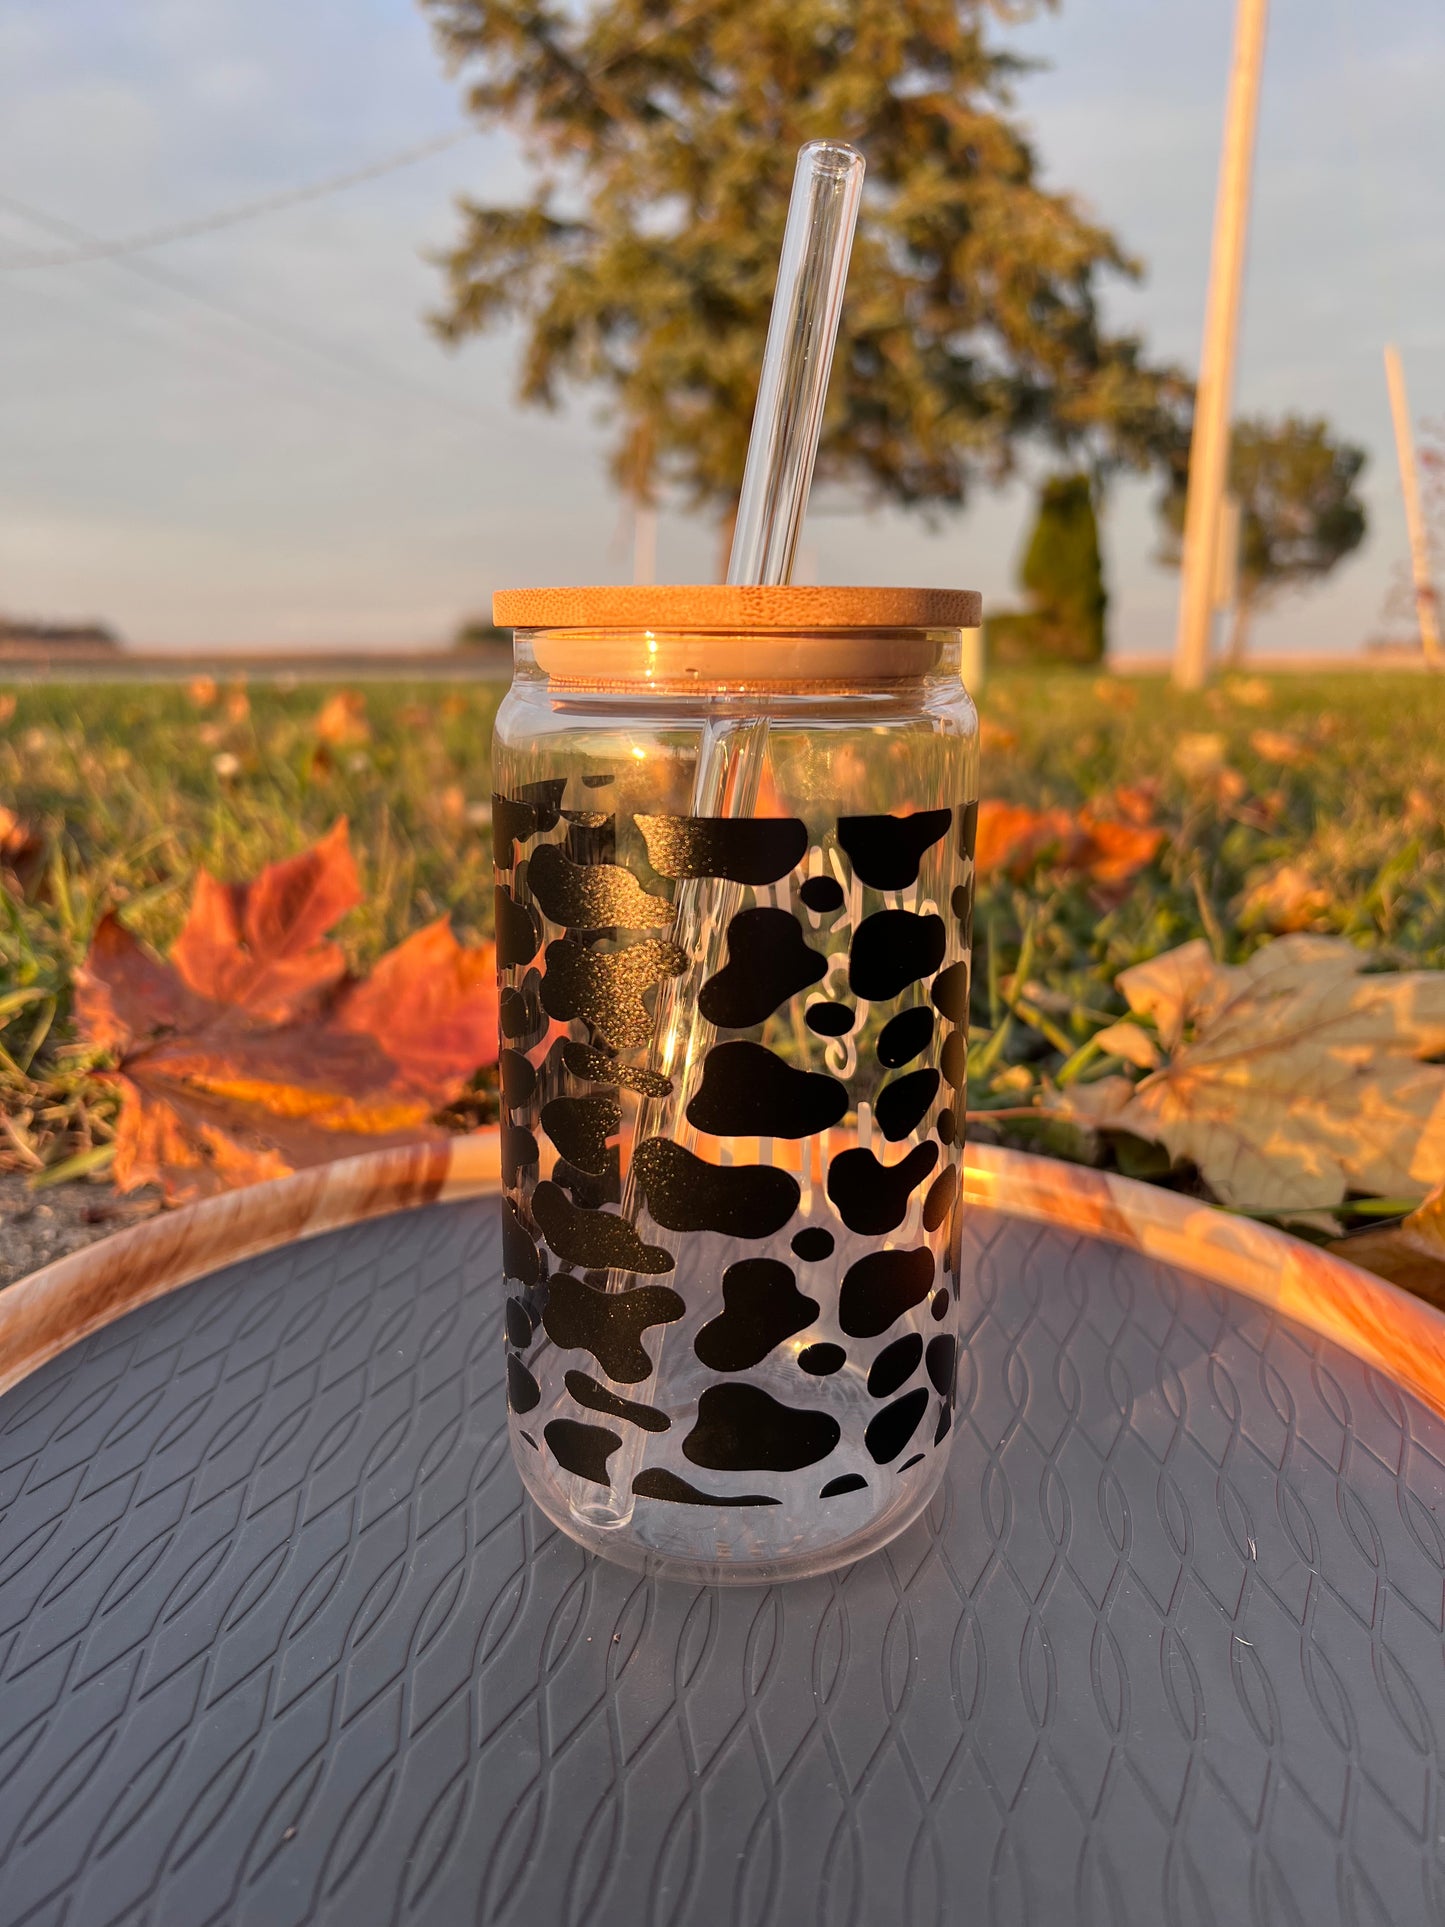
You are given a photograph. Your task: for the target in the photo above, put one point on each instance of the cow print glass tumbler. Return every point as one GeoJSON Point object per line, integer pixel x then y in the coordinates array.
{"type": "Point", "coordinates": [734, 837]}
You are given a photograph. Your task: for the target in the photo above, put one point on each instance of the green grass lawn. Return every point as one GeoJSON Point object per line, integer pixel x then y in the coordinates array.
{"type": "Point", "coordinates": [1337, 781]}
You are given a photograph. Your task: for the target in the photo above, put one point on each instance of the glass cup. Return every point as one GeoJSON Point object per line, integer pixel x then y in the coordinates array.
{"type": "Point", "coordinates": [734, 852]}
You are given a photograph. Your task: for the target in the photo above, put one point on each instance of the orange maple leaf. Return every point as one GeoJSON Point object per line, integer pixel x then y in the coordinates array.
{"type": "Point", "coordinates": [1109, 841]}
{"type": "Point", "coordinates": [252, 1052]}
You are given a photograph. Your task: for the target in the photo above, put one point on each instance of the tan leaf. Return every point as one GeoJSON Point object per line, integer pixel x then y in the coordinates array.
{"type": "Point", "coordinates": [1410, 1253]}
{"type": "Point", "coordinates": [1294, 1078]}
{"type": "Point", "coordinates": [1131, 1042]}
{"type": "Point", "coordinates": [1199, 755]}
{"type": "Point", "coordinates": [1278, 746]}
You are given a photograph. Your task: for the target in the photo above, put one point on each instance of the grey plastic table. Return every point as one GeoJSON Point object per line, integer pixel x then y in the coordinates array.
{"type": "Point", "coordinates": [281, 1641]}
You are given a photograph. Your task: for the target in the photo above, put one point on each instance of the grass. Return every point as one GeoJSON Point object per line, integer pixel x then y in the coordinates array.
{"type": "Point", "coordinates": [1336, 781]}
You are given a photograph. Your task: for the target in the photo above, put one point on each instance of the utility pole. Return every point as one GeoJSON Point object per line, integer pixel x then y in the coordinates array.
{"type": "Point", "coordinates": [1414, 516]}
{"type": "Point", "coordinates": [1209, 447]}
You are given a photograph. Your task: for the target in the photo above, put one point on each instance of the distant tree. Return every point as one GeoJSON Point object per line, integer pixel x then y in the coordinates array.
{"type": "Point", "coordinates": [1299, 515]}
{"type": "Point", "coordinates": [662, 136]}
{"type": "Point", "coordinates": [1062, 577]}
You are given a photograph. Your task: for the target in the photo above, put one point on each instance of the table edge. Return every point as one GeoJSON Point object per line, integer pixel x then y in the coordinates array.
{"type": "Point", "coordinates": [45, 1313]}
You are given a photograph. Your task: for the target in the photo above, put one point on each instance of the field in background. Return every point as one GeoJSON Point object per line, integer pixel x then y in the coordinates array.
{"type": "Point", "coordinates": [1289, 803]}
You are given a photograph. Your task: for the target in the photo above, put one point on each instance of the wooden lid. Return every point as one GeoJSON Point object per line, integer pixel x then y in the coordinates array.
{"type": "Point", "coordinates": [716, 605]}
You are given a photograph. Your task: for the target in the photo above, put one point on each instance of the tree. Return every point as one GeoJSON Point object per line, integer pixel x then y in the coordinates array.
{"type": "Point", "coordinates": [662, 136]}
{"type": "Point", "coordinates": [1062, 575]}
{"type": "Point", "coordinates": [1299, 515]}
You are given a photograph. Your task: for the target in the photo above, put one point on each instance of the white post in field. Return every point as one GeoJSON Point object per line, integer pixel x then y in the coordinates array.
{"type": "Point", "coordinates": [1425, 607]}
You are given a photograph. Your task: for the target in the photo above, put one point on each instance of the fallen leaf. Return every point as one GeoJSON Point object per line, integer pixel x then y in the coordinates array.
{"type": "Point", "coordinates": [1293, 1078]}
{"type": "Point", "coordinates": [252, 1052]}
{"type": "Point", "coordinates": [1410, 1252]}
{"type": "Point", "coordinates": [1131, 1042]}
{"type": "Point", "coordinates": [1248, 691]}
{"type": "Point", "coordinates": [341, 720]}
{"type": "Point", "coordinates": [1095, 843]}
{"type": "Point", "coordinates": [22, 849]}
{"type": "Point", "coordinates": [227, 765]}
{"type": "Point", "coordinates": [202, 691]}
{"type": "Point", "coordinates": [992, 735]}
{"type": "Point", "coordinates": [1115, 695]}
{"type": "Point", "coordinates": [238, 703]}
{"type": "Point", "coordinates": [1199, 755]}
{"type": "Point", "coordinates": [1278, 746]}
{"type": "Point", "coordinates": [7, 706]}
{"type": "Point", "coordinates": [1285, 898]}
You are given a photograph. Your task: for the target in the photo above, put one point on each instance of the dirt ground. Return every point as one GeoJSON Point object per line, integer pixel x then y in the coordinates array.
{"type": "Point", "coordinates": [36, 1227]}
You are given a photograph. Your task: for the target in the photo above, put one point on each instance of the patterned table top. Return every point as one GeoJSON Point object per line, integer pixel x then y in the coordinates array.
{"type": "Point", "coordinates": [281, 1641]}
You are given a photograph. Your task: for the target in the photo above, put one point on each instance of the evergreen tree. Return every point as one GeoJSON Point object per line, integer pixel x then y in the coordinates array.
{"type": "Point", "coordinates": [1062, 575]}
{"type": "Point", "coordinates": [662, 137]}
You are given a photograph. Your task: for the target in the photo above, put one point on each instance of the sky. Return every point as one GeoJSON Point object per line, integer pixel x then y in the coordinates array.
{"type": "Point", "coordinates": [250, 439]}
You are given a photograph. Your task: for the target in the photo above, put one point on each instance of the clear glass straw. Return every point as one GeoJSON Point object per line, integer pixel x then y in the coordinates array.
{"type": "Point", "coordinates": [782, 450]}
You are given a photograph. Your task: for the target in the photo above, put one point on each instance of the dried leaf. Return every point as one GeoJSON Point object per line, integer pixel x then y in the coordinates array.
{"type": "Point", "coordinates": [1278, 746]}
{"type": "Point", "coordinates": [1096, 843]}
{"type": "Point", "coordinates": [1284, 898]}
{"type": "Point", "coordinates": [251, 1053]}
{"type": "Point", "coordinates": [263, 945]}
{"type": "Point", "coordinates": [1293, 1078]}
{"type": "Point", "coordinates": [341, 720]}
{"type": "Point", "coordinates": [1199, 756]}
{"type": "Point", "coordinates": [1409, 1253]}
{"type": "Point", "coordinates": [1131, 1042]}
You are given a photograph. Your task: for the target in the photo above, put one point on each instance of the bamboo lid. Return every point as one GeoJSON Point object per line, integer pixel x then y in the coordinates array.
{"type": "Point", "coordinates": [729, 608]}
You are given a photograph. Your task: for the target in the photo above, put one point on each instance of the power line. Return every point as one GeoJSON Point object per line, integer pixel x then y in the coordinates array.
{"type": "Point", "coordinates": [326, 357]}
{"type": "Point", "coordinates": [98, 249]}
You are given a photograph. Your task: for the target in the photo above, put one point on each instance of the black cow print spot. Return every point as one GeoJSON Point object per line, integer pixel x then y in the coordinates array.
{"type": "Point", "coordinates": [523, 1391]}
{"type": "Point", "coordinates": [939, 1202]}
{"type": "Point", "coordinates": [895, 1365]}
{"type": "Point", "coordinates": [967, 830]}
{"type": "Point", "coordinates": [519, 1013]}
{"type": "Point", "coordinates": [582, 1449]}
{"type": "Point", "coordinates": [589, 1190]}
{"type": "Point", "coordinates": [812, 1244]}
{"type": "Point", "coordinates": [822, 894]}
{"type": "Point", "coordinates": [741, 1429]}
{"type": "Point", "coordinates": [831, 1020]}
{"type": "Point", "coordinates": [890, 1431]}
{"type": "Point", "coordinates": [962, 901]}
{"type": "Point", "coordinates": [593, 1239]}
{"type": "Point", "coordinates": [519, 1079]}
{"type": "Point", "coordinates": [745, 849]}
{"type": "Point", "coordinates": [656, 1482]}
{"type": "Point", "coordinates": [761, 1307]}
{"type": "Point", "coordinates": [591, 836]}
{"type": "Point", "coordinates": [519, 1152]}
{"type": "Point", "coordinates": [872, 1198]}
{"type": "Point", "coordinates": [609, 1324]}
{"type": "Point", "coordinates": [606, 987]}
{"type": "Point", "coordinates": [885, 850]}
{"type": "Point", "coordinates": [597, 1398]}
{"type": "Point", "coordinates": [942, 1352]}
{"type": "Point", "coordinates": [518, 932]}
{"type": "Point", "coordinates": [534, 808]}
{"type": "Point", "coordinates": [902, 1105]}
{"type": "Point", "coordinates": [893, 949]}
{"type": "Point", "coordinates": [954, 1060]}
{"type": "Point", "coordinates": [903, 1037]}
{"type": "Point", "coordinates": [684, 1193]}
{"type": "Point", "coordinates": [519, 1324]}
{"type": "Point", "coordinates": [821, 1361]}
{"type": "Point", "coordinates": [908, 1464]}
{"type": "Point", "coordinates": [586, 1061]}
{"type": "Point", "coordinates": [939, 1307]}
{"type": "Point", "coordinates": [592, 896]}
{"type": "Point", "coordinates": [950, 993]}
{"type": "Point", "coordinates": [947, 1126]}
{"type": "Point", "coordinates": [522, 1434]}
{"type": "Point", "coordinates": [599, 780]}
{"type": "Point", "coordinates": [768, 963]}
{"type": "Point", "coordinates": [749, 1091]}
{"type": "Point", "coordinates": [580, 1128]}
{"type": "Point", "coordinates": [846, 1482]}
{"type": "Point", "coordinates": [880, 1288]}
{"type": "Point", "coordinates": [945, 1420]}
{"type": "Point", "coordinates": [520, 1261]}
